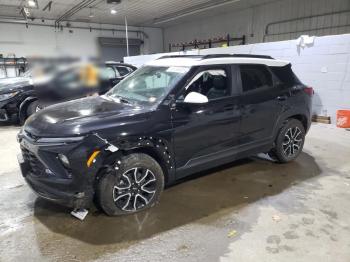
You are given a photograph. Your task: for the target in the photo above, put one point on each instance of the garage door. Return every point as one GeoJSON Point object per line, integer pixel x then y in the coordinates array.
{"type": "Point", "coordinates": [115, 48]}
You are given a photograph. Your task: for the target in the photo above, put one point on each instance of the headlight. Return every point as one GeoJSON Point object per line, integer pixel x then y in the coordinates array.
{"type": "Point", "coordinates": [60, 139]}
{"type": "Point", "coordinates": [7, 96]}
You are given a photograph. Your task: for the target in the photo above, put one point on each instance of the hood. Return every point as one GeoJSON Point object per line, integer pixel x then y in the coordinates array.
{"type": "Point", "coordinates": [83, 116]}
{"type": "Point", "coordinates": [12, 84]}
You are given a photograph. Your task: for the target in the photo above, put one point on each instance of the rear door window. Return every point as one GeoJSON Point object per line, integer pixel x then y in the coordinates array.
{"type": "Point", "coordinates": [255, 77]}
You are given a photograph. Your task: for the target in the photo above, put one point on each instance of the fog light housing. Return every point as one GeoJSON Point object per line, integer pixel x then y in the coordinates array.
{"type": "Point", "coordinates": [64, 160]}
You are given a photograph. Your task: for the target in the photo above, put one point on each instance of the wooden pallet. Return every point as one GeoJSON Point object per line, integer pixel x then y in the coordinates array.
{"type": "Point", "coordinates": [321, 119]}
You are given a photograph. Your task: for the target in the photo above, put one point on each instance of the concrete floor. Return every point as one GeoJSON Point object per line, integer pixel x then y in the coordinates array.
{"type": "Point", "coordinates": [251, 210]}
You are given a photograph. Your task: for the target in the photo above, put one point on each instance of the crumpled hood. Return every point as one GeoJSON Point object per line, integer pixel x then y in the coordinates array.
{"type": "Point", "coordinates": [82, 116]}
{"type": "Point", "coordinates": [13, 84]}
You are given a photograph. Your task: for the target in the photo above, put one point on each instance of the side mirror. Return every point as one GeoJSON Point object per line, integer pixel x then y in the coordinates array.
{"type": "Point", "coordinates": [196, 98]}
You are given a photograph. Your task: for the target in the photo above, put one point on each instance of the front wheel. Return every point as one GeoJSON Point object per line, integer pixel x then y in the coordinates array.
{"type": "Point", "coordinates": [32, 108]}
{"type": "Point", "coordinates": [289, 142]}
{"type": "Point", "coordinates": [134, 184]}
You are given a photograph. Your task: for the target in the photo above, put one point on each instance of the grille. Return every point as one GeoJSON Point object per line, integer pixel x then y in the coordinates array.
{"type": "Point", "coordinates": [37, 168]}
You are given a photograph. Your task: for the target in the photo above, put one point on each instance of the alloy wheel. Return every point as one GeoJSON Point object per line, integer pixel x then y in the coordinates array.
{"type": "Point", "coordinates": [292, 142]}
{"type": "Point", "coordinates": [135, 190]}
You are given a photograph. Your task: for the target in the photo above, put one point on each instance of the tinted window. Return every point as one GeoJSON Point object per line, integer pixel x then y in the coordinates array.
{"type": "Point", "coordinates": [285, 75]}
{"type": "Point", "coordinates": [255, 77]}
{"type": "Point", "coordinates": [211, 83]}
{"type": "Point", "coordinates": [123, 70]}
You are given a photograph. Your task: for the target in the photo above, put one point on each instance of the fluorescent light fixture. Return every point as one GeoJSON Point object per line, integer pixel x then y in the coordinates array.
{"type": "Point", "coordinates": [91, 15]}
{"type": "Point", "coordinates": [113, 11]}
{"type": "Point", "coordinates": [31, 3]}
{"type": "Point", "coordinates": [191, 12]}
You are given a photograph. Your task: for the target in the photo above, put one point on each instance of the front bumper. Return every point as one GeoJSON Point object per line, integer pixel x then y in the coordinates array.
{"type": "Point", "coordinates": [47, 176]}
{"type": "Point", "coordinates": [3, 115]}
{"type": "Point", "coordinates": [9, 109]}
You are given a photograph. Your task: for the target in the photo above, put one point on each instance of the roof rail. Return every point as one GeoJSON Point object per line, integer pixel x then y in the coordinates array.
{"type": "Point", "coordinates": [180, 56]}
{"type": "Point", "coordinates": [237, 55]}
{"type": "Point", "coordinates": [217, 56]}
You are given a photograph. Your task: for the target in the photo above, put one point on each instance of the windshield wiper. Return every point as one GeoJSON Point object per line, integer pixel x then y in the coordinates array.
{"type": "Point", "coordinates": [121, 99]}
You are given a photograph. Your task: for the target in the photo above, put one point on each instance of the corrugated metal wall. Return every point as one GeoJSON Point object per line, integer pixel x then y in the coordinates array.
{"type": "Point", "coordinates": [253, 22]}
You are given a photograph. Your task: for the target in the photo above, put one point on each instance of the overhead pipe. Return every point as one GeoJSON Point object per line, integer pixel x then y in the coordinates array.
{"type": "Point", "coordinates": [24, 22]}
{"type": "Point", "coordinates": [302, 18]}
{"type": "Point", "coordinates": [74, 10]}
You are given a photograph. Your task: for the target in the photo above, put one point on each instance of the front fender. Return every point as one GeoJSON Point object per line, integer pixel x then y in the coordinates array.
{"type": "Point", "coordinates": [157, 147]}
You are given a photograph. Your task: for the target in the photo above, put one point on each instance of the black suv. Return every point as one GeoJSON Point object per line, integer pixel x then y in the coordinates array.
{"type": "Point", "coordinates": [170, 118]}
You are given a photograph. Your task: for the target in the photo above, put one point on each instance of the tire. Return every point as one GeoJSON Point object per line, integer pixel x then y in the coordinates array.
{"type": "Point", "coordinates": [289, 142]}
{"type": "Point", "coordinates": [32, 108]}
{"type": "Point", "coordinates": [118, 192]}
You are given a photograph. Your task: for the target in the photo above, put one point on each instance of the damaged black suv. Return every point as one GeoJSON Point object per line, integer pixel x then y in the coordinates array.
{"type": "Point", "coordinates": [174, 116]}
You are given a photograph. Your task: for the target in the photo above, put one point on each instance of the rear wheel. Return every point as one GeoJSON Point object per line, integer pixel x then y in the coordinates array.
{"type": "Point", "coordinates": [133, 185]}
{"type": "Point", "coordinates": [289, 142]}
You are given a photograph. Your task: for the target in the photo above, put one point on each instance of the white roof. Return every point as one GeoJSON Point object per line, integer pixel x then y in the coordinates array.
{"type": "Point", "coordinates": [198, 61]}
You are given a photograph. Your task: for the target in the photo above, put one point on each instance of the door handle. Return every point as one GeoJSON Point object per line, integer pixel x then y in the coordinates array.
{"type": "Point", "coordinates": [282, 98]}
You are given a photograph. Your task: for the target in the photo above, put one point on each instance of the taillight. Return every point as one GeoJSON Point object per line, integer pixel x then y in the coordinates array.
{"type": "Point", "coordinates": [309, 91]}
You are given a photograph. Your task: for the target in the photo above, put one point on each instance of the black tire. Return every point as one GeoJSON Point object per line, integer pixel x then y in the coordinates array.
{"type": "Point", "coordinates": [289, 142]}
{"type": "Point", "coordinates": [31, 109]}
{"type": "Point", "coordinates": [132, 196]}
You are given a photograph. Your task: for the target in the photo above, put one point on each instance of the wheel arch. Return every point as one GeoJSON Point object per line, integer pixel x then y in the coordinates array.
{"type": "Point", "coordinates": [157, 156]}
{"type": "Point", "coordinates": [157, 148]}
{"type": "Point", "coordinates": [301, 116]}
{"type": "Point", "coordinates": [22, 112]}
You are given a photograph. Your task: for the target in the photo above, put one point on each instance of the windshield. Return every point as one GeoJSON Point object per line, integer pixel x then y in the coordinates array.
{"type": "Point", "coordinates": [148, 84]}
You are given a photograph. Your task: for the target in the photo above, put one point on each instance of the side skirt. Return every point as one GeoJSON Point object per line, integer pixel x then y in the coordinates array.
{"type": "Point", "coordinates": [223, 157]}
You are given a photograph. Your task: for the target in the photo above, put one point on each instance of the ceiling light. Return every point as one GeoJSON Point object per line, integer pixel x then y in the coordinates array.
{"type": "Point", "coordinates": [113, 11]}
{"type": "Point", "coordinates": [91, 15]}
{"type": "Point", "coordinates": [31, 3]}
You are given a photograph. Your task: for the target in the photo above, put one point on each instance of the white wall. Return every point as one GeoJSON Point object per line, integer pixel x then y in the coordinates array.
{"type": "Point", "coordinates": [252, 22]}
{"type": "Point", "coordinates": [46, 41]}
{"type": "Point", "coordinates": [325, 66]}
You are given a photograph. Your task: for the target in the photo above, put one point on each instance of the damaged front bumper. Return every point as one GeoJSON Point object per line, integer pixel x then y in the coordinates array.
{"type": "Point", "coordinates": [69, 182]}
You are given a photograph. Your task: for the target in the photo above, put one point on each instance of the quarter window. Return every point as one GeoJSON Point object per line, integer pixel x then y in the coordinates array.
{"type": "Point", "coordinates": [255, 77]}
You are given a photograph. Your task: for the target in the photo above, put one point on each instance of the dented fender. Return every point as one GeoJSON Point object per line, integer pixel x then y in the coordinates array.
{"type": "Point", "coordinates": [157, 145]}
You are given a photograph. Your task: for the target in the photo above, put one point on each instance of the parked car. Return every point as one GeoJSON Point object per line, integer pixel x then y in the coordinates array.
{"type": "Point", "coordinates": [13, 91]}
{"type": "Point", "coordinates": [171, 118]}
{"type": "Point", "coordinates": [69, 83]}
{"type": "Point", "coordinates": [20, 98]}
